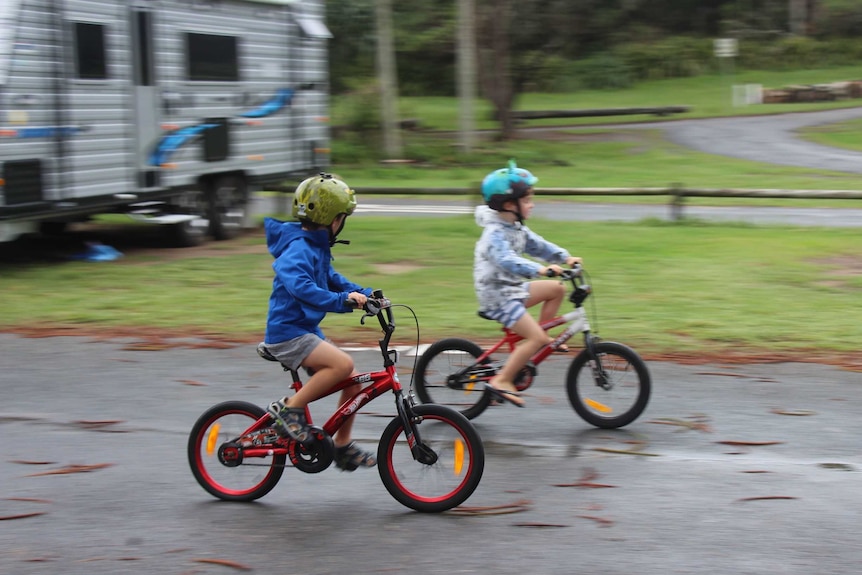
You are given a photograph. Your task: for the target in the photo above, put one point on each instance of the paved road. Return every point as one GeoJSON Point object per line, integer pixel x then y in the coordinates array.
{"type": "Point", "coordinates": [769, 139]}
{"type": "Point", "coordinates": [601, 212]}
{"type": "Point", "coordinates": [732, 469]}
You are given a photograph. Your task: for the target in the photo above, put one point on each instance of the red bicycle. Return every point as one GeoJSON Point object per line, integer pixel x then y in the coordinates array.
{"type": "Point", "coordinates": [430, 457]}
{"type": "Point", "coordinates": [608, 383]}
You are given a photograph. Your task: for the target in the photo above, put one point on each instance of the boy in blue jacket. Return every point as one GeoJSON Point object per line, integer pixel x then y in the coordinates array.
{"type": "Point", "coordinates": [304, 289]}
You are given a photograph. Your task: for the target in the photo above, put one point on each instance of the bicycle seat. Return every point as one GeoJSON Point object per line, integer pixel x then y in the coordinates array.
{"type": "Point", "coordinates": [264, 353]}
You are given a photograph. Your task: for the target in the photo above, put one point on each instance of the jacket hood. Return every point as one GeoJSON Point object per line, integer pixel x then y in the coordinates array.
{"type": "Point", "coordinates": [279, 235]}
{"type": "Point", "coordinates": [485, 215]}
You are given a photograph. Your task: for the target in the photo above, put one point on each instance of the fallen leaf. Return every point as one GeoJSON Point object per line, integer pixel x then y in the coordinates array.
{"type": "Point", "coordinates": [723, 374]}
{"type": "Point", "coordinates": [539, 525]}
{"type": "Point", "coordinates": [191, 382]}
{"type": "Point", "coordinates": [515, 507]}
{"type": "Point", "coordinates": [767, 497]}
{"type": "Point", "coordinates": [600, 520]}
{"type": "Point", "coordinates": [586, 481]}
{"type": "Point", "coordinates": [21, 515]}
{"type": "Point", "coordinates": [796, 412]}
{"type": "Point", "coordinates": [693, 425]}
{"type": "Point", "coordinates": [72, 469]}
{"type": "Point", "coordinates": [225, 562]}
{"type": "Point", "coordinates": [624, 451]}
{"type": "Point", "coordinates": [750, 443]}
{"type": "Point", "coordinates": [29, 462]}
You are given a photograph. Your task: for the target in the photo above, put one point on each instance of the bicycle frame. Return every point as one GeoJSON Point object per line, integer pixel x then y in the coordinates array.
{"type": "Point", "coordinates": [578, 323]}
{"type": "Point", "coordinates": [379, 382]}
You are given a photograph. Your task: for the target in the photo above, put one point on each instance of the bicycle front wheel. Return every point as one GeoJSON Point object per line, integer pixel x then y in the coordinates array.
{"type": "Point", "coordinates": [616, 396]}
{"type": "Point", "coordinates": [218, 465]}
{"type": "Point", "coordinates": [449, 465]}
{"type": "Point", "coordinates": [443, 377]}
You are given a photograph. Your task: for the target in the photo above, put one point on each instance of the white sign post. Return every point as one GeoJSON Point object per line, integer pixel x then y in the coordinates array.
{"type": "Point", "coordinates": [726, 49]}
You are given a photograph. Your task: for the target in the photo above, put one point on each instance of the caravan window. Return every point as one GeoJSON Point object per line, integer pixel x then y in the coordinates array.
{"type": "Point", "coordinates": [210, 57]}
{"type": "Point", "coordinates": [91, 61]}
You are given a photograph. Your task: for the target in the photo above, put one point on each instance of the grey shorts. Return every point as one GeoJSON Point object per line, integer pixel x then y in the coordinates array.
{"type": "Point", "coordinates": [294, 351]}
{"type": "Point", "coordinates": [508, 314]}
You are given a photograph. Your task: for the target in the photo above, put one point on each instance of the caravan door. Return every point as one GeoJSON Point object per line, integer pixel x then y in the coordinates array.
{"type": "Point", "coordinates": [94, 160]}
{"type": "Point", "coordinates": [146, 97]}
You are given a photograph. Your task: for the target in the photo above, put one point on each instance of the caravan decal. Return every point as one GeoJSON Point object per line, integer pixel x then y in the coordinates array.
{"type": "Point", "coordinates": [173, 141]}
{"type": "Point", "coordinates": [281, 99]}
{"type": "Point", "coordinates": [41, 132]}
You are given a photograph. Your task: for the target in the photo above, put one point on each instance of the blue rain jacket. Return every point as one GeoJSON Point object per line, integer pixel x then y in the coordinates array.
{"type": "Point", "coordinates": [305, 286]}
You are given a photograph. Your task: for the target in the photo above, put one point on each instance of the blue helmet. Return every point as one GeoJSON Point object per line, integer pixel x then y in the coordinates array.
{"type": "Point", "coordinates": [506, 184]}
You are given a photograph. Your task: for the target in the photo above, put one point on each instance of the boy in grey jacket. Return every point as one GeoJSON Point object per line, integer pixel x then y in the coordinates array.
{"type": "Point", "coordinates": [500, 271]}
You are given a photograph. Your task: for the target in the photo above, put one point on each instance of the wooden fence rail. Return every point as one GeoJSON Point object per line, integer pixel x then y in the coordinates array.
{"type": "Point", "coordinates": [676, 194]}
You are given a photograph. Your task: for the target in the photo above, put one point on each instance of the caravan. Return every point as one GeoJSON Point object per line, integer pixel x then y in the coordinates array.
{"type": "Point", "coordinates": [173, 111]}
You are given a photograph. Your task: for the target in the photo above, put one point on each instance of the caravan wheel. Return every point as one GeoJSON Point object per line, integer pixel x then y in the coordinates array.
{"type": "Point", "coordinates": [228, 205]}
{"type": "Point", "coordinates": [193, 232]}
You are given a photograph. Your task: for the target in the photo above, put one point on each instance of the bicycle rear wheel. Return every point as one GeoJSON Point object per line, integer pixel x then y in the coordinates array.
{"type": "Point", "coordinates": [617, 399]}
{"type": "Point", "coordinates": [453, 459]}
{"type": "Point", "coordinates": [442, 377]}
{"type": "Point", "coordinates": [218, 466]}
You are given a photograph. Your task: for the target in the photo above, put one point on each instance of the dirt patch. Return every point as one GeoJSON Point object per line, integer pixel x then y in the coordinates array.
{"type": "Point", "coordinates": [157, 339]}
{"type": "Point", "coordinates": [843, 266]}
{"type": "Point", "coordinates": [139, 244]}
{"type": "Point", "coordinates": [397, 268]}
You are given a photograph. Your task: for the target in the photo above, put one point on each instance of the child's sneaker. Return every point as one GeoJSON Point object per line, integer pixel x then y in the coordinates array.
{"type": "Point", "coordinates": [349, 457]}
{"type": "Point", "coordinates": [290, 422]}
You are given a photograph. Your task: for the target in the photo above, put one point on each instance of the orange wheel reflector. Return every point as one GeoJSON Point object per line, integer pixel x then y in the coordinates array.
{"type": "Point", "coordinates": [212, 438]}
{"type": "Point", "coordinates": [459, 457]}
{"type": "Point", "coordinates": [597, 406]}
{"type": "Point", "coordinates": [469, 387]}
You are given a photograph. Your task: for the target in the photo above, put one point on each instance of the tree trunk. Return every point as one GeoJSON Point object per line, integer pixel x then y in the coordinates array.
{"type": "Point", "coordinates": [467, 73]}
{"type": "Point", "coordinates": [496, 75]}
{"type": "Point", "coordinates": [798, 13]}
{"type": "Point", "coordinates": [387, 77]}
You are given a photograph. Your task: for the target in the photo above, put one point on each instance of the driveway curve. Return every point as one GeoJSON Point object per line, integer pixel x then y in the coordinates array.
{"type": "Point", "coordinates": [769, 139]}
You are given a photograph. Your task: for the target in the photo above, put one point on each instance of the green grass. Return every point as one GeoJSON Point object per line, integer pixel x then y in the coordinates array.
{"type": "Point", "coordinates": [587, 154]}
{"type": "Point", "coordinates": [708, 95]}
{"type": "Point", "coordinates": [619, 158]}
{"type": "Point", "coordinates": [844, 135]}
{"type": "Point", "coordinates": [660, 287]}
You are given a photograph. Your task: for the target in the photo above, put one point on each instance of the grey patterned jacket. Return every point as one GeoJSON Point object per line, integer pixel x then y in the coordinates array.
{"type": "Point", "coordinates": [499, 268]}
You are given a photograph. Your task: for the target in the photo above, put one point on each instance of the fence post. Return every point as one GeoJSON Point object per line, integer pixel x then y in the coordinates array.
{"type": "Point", "coordinates": [677, 201]}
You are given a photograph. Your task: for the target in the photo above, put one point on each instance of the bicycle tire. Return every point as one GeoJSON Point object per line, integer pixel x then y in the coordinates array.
{"type": "Point", "coordinates": [244, 482]}
{"type": "Point", "coordinates": [609, 408]}
{"type": "Point", "coordinates": [450, 479]}
{"type": "Point", "coordinates": [442, 359]}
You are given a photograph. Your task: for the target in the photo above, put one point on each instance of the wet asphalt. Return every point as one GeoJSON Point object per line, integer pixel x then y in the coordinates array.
{"type": "Point", "coordinates": [731, 469]}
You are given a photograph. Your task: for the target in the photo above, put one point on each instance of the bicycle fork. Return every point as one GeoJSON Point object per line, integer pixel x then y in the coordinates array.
{"type": "Point", "coordinates": [421, 452]}
{"type": "Point", "coordinates": [600, 377]}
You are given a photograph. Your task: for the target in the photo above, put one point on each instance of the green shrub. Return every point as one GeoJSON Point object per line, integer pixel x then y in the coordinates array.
{"type": "Point", "coordinates": [604, 71]}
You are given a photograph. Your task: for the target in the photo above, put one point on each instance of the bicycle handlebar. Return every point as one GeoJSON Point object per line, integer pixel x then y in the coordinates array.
{"type": "Point", "coordinates": [373, 305]}
{"type": "Point", "coordinates": [576, 271]}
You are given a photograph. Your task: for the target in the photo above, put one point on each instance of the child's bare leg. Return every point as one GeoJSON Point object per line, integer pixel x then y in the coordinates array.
{"type": "Point", "coordinates": [550, 294]}
{"type": "Point", "coordinates": [330, 366]}
{"type": "Point", "coordinates": [534, 338]}
{"type": "Point", "coordinates": [344, 434]}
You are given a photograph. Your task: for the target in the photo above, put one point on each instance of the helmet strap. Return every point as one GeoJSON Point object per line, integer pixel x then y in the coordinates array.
{"type": "Point", "coordinates": [334, 234]}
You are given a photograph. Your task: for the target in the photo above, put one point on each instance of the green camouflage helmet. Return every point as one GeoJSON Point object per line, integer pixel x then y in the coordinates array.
{"type": "Point", "coordinates": [320, 199]}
